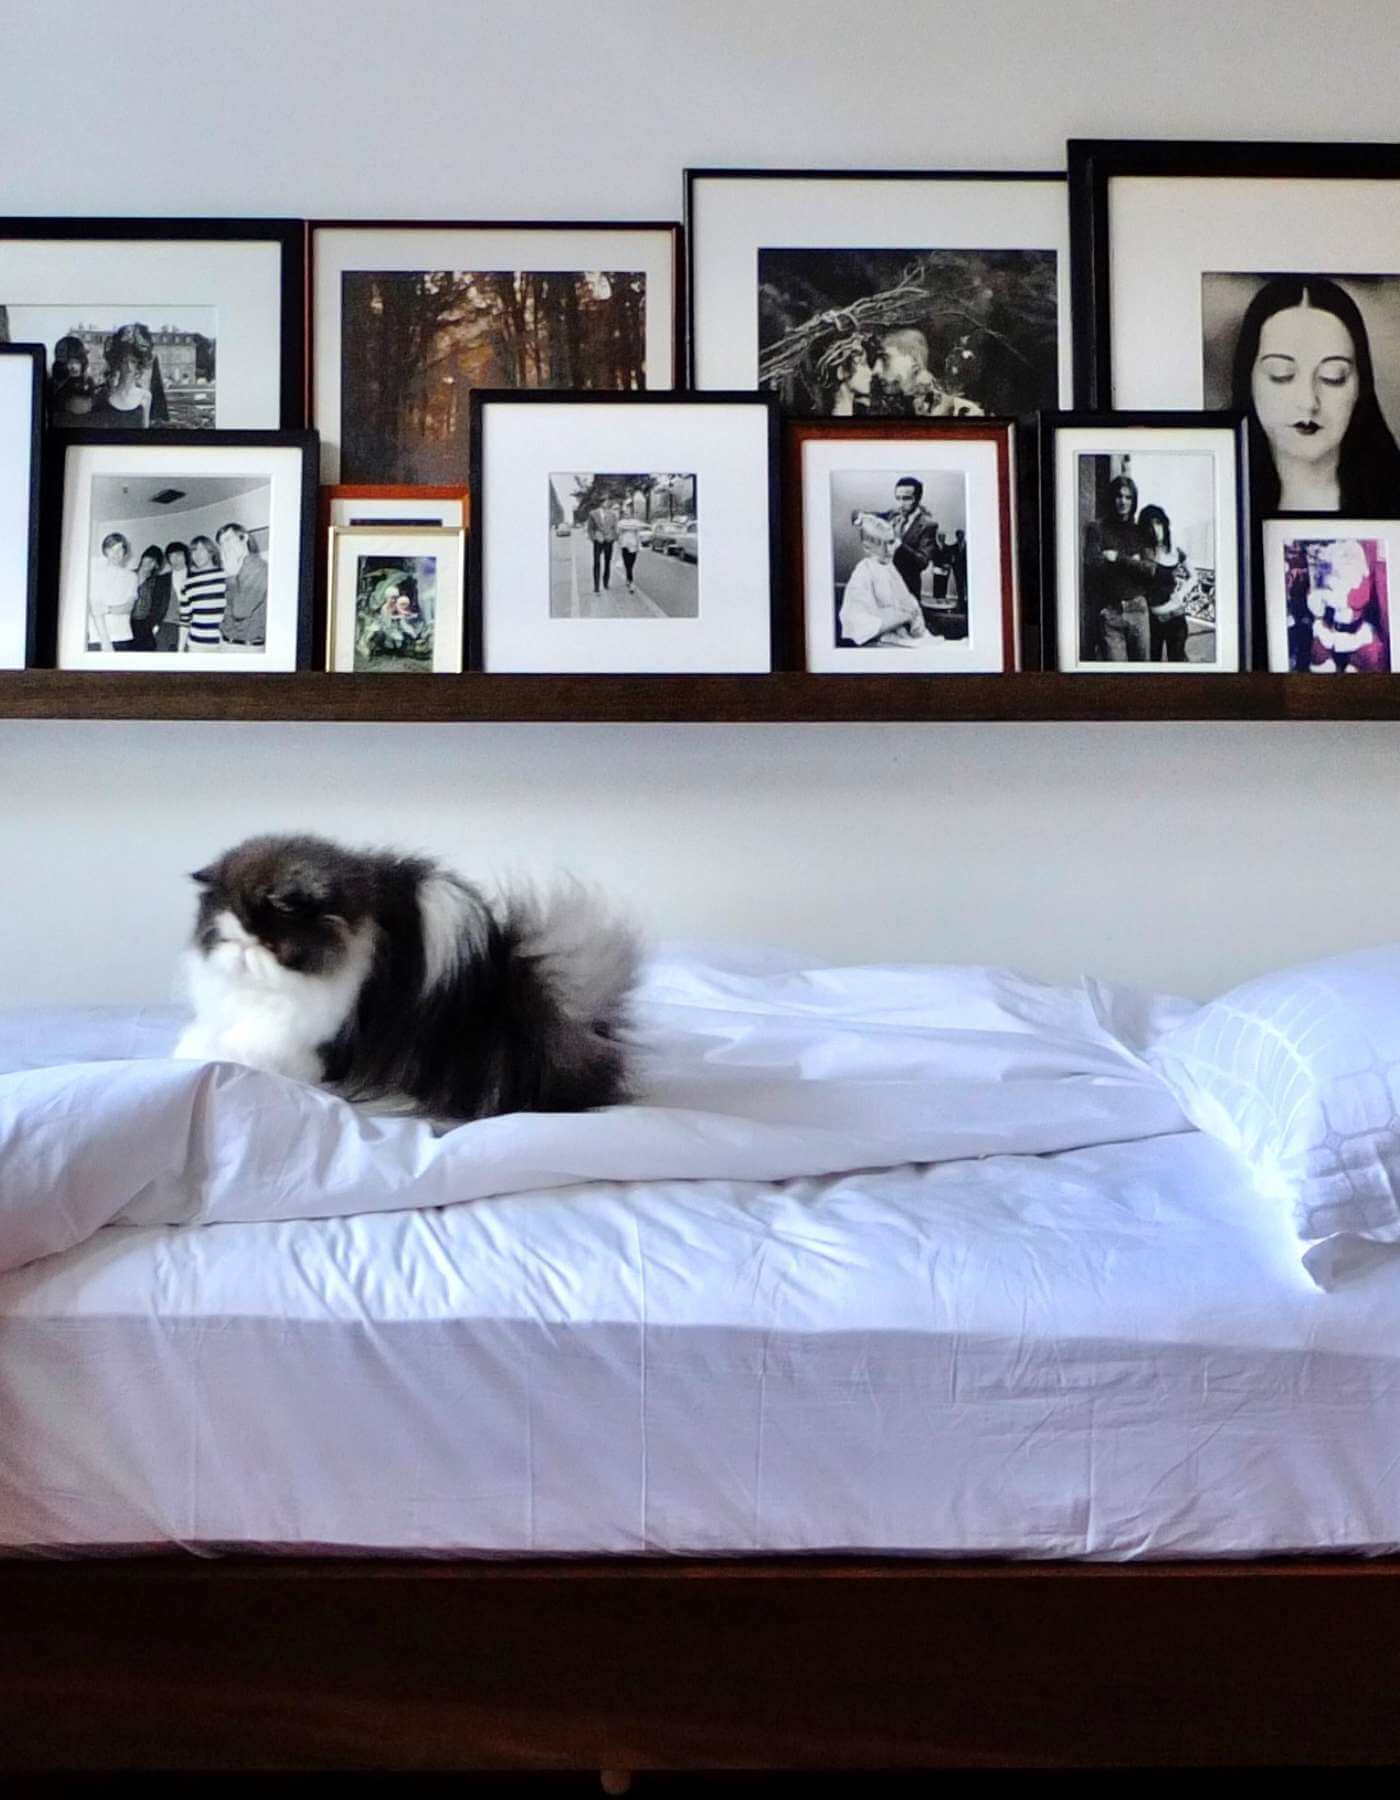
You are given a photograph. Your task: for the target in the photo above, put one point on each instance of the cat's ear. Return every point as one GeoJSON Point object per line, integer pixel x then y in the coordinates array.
{"type": "Point", "coordinates": [204, 877]}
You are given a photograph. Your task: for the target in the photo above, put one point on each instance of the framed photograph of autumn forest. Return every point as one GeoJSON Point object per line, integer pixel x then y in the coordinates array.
{"type": "Point", "coordinates": [407, 319]}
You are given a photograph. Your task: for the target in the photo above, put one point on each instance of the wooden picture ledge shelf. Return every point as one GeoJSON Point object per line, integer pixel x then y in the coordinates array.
{"type": "Point", "coordinates": [694, 699]}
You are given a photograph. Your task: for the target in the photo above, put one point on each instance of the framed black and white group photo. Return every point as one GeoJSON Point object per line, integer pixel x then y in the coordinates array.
{"type": "Point", "coordinates": [182, 551]}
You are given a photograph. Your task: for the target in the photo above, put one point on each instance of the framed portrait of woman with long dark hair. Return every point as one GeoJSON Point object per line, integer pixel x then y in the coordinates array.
{"type": "Point", "coordinates": [1263, 278]}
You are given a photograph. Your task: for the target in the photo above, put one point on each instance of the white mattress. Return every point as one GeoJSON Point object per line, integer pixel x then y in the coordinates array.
{"type": "Point", "coordinates": [1109, 1353]}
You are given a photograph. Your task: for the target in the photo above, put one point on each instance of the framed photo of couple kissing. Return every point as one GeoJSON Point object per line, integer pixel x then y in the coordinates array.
{"type": "Point", "coordinates": [1264, 278]}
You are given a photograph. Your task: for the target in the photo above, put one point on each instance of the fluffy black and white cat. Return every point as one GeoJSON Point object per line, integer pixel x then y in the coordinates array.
{"type": "Point", "coordinates": [391, 979]}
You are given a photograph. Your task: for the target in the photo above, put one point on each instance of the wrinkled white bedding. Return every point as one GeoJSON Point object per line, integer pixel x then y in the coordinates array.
{"type": "Point", "coordinates": [746, 1077]}
{"type": "Point", "coordinates": [1106, 1351]}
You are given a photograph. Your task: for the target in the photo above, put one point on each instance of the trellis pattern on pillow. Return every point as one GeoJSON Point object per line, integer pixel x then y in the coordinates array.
{"type": "Point", "coordinates": [1299, 1072]}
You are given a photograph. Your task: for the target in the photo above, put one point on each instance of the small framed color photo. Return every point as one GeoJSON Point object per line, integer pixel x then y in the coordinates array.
{"type": "Point", "coordinates": [396, 600]}
{"type": "Point", "coordinates": [852, 293]}
{"type": "Point", "coordinates": [408, 318]}
{"type": "Point", "coordinates": [21, 424]}
{"type": "Point", "coordinates": [190, 551]}
{"type": "Point", "coordinates": [901, 539]}
{"type": "Point", "coordinates": [161, 324]}
{"type": "Point", "coordinates": [623, 533]}
{"type": "Point", "coordinates": [1145, 560]}
{"type": "Point", "coordinates": [1260, 277]}
{"type": "Point", "coordinates": [1327, 595]}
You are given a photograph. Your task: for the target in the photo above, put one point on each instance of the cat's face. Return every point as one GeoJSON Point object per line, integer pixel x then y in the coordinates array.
{"type": "Point", "coordinates": [279, 904]}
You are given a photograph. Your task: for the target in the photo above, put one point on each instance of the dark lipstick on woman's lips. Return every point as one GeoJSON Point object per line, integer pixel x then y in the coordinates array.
{"type": "Point", "coordinates": [1307, 426]}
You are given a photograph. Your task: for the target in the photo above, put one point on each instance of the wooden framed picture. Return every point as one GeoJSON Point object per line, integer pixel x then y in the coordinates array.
{"type": "Point", "coordinates": [187, 551]}
{"type": "Point", "coordinates": [21, 422]}
{"type": "Point", "coordinates": [408, 318]}
{"type": "Point", "coordinates": [1264, 278]}
{"type": "Point", "coordinates": [849, 292]}
{"type": "Point", "coordinates": [901, 538]}
{"type": "Point", "coordinates": [1327, 595]}
{"type": "Point", "coordinates": [161, 324]}
{"type": "Point", "coordinates": [388, 504]}
{"type": "Point", "coordinates": [1145, 564]}
{"type": "Point", "coordinates": [616, 533]}
{"type": "Point", "coordinates": [396, 600]}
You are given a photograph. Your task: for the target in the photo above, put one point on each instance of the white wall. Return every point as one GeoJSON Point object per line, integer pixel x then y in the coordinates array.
{"type": "Point", "coordinates": [1180, 856]}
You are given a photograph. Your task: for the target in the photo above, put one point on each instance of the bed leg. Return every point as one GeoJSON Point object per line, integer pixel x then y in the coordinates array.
{"type": "Point", "coordinates": [616, 1781]}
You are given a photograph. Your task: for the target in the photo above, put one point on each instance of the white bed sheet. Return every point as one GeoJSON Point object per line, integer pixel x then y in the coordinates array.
{"type": "Point", "coordinates": [1107, 1353]}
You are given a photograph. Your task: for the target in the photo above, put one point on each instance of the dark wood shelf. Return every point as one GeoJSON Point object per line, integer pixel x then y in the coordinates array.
{"type": "Point", "coordinates": [704, 699]}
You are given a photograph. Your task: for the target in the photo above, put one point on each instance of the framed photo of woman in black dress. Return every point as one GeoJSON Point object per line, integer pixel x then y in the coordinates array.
{"type": "Point", "coordinates": [1259, 277]}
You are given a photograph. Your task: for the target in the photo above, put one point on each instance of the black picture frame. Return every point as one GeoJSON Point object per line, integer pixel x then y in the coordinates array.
{"type": "Point", "coordinates": [289, 235]}
{"type": "Point", "coordinates": [1050, 425]}
{"type": "Point", "coordinates": [780, 645]}
{"type": "Point", "coordinates": [693, 176]}
{"type": "Point", "coordinates": [61, 444]}
{"type": "Point", "coordinates": [29, 599]}
{"type": "Point", "coordinates": [1094, 163]}
{"type": "Point", "coordinates": [668, 227]}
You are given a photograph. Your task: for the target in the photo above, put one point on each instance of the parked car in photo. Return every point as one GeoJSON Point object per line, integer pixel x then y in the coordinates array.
{"type": "Point", "coordinates": [676, 534]}
{"type": "Point", "coordinates": [686, 543]}
{"type": "Point", "coordinates": [562, 531]}
{"type": "Point", "coordinates": [661, 533]}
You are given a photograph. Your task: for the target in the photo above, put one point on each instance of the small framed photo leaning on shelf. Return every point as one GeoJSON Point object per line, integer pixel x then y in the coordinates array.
{"type": "Point", "coordinates": [901, 545]}
{"type": "Point", "coordinates": [1145, 558]}
{"type": "Point", "coordinates": [189, 551]}
{"type": "Point", "coordinates": [388, 505]}
{"type": "Point", "coordinates": [396, 600]}
{"type": "Point", "coordinates": [21, 429]}
{"type": "Point", "coordinates": [623, 533]}
{"type": "Point", "coordinates": [161, 324]}
{"type": "Point", "coordinates": [1327, 595]}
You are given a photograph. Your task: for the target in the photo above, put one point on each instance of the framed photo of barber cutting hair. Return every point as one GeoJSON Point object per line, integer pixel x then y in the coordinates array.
{"type": "Point", "coordinates": [1145, 559]}
{"type": "Point", "coordinates": [868, 293]}
{"type": "Point", "coordinates": [901, 540]}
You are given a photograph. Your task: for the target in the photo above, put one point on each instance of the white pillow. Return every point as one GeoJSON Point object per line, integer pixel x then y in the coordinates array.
{"type": "Point", "coordinates": [1300, 1073]}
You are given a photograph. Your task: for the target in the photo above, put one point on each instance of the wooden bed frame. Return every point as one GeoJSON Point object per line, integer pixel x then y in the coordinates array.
{"type": "Point", "coordinates": [162, 1663]}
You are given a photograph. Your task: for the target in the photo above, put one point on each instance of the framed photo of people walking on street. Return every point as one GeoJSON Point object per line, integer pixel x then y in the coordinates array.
{"type": "Point", "coordinates": [408, 318]}
{"type": "Point", "coordinates": [1260, 277]}
{"type": "Point", "coordinates": [21, 425]}
{"type": "Point", "coordinates": [1145, 556]}
{"type": "Point", "coordinates": [1327, 595]}
{"type": "Point", "coordinates": [187, 552]}
{"type": "Point", "coordinates": [161, 324]}
{"type": "Point", "coordinates": [854, 293]}
{"type": "Point", "coordinates": [901, 545]}
{"type": "Point", "coordinates": [622, 533]}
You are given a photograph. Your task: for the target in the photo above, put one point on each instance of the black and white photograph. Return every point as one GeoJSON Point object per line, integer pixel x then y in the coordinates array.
{"type": "Point", "coordinates": [622, 533]}
{"type": "Point", "coordinates": [909, 333]}
{"type": "Point", "coordinates": [396, 600]}
{"type": "Point", "coordinates": [624, 546]}
{"type": "Point", "coordinates": [409, 319]}
{"type": "Point", "coordinates": [902, 555]}
{"type": "Point", "coordinates": [127, 368]}
{"type": "Point", "coordinates": [1315, 362]}
{"type": "Point", "coordinates": [850, 293]}
{"type": "Point", "coordinates": [185, 551]}
{"type": "Point", "coordinates": [899, 557]}
{"type": "Point", "coordinates": [170, 325]}
{"type": "Point", "coordinates": [1327, 595]}
{"type": "Point", "coordinates": [178, 567]}
{"type": "Point", "coordinates": [1145, 558]}
{"type": "Point", "coordinates": [21, 433]}
{"type": "Point", "coordinates": [414, 345]}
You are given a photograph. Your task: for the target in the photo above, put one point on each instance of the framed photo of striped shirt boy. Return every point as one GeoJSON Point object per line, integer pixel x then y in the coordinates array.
{"type": "Point", "coordinates": [190, 551]}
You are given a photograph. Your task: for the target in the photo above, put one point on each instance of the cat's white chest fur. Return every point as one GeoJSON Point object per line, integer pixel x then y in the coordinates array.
{"type": "Point", "coordinates": [249, 1009]}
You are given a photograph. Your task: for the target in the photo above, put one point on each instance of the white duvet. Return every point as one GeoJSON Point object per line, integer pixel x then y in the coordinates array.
{"type": "Point", "coordinates": [754, 1074]}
